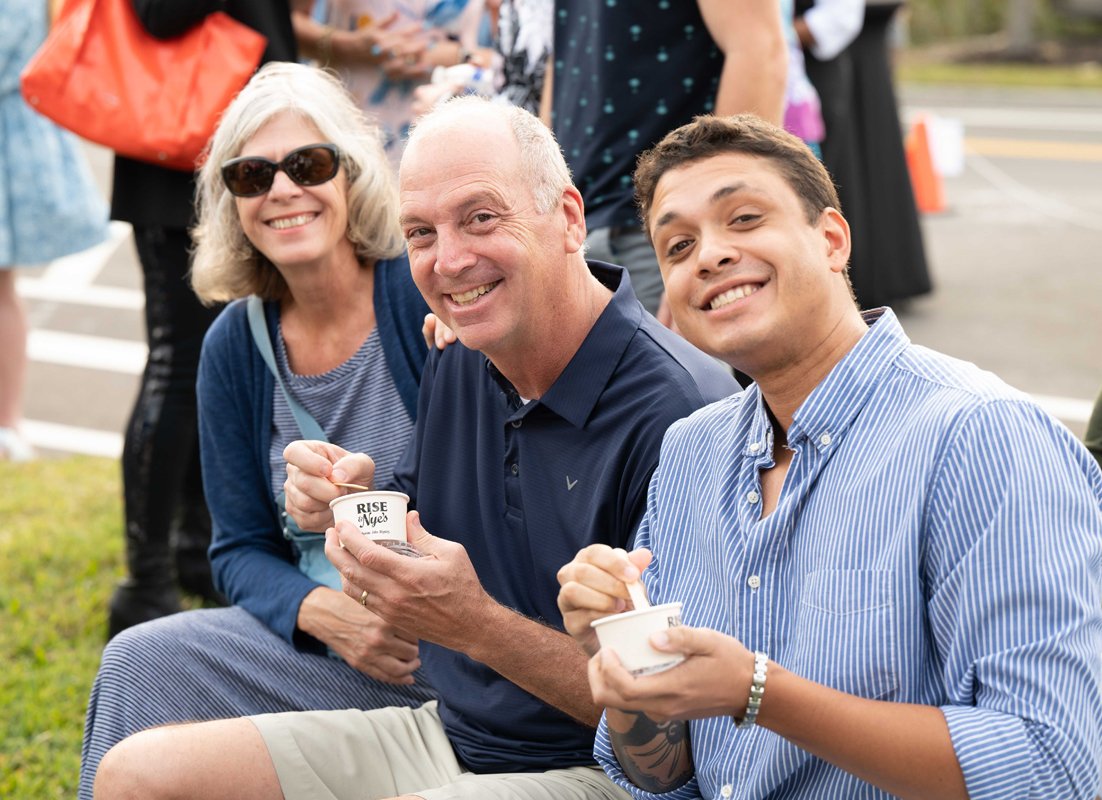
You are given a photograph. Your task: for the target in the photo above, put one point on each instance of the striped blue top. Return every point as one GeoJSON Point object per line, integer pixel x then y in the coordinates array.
{"type": "Point", "coordinates": [356, 403]}
{"type": "Point", "coordinates": [938, 540]}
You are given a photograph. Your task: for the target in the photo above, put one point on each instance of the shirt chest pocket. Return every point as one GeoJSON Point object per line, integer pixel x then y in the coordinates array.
{"type": "Point", "coordinates": [845, 633]}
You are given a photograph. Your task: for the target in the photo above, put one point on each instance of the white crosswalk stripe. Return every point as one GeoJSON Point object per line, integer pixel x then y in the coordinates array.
{"type": "Point", "coordinates": [87, 352]}
{"type": "Point", "coordinates": [70, 439]}
{"type": "Point", "coordinates": [113, 297]}
{"type": "Point", "coordinates": [72, 281]}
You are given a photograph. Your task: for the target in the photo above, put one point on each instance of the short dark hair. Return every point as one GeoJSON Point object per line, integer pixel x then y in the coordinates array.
{"type": "Point", "coordinates": [708, 136]}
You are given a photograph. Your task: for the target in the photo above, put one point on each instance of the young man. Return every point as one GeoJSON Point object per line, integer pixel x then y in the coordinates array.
{"type": "Point", "coordinates": [535, 436]}
{"type": "Point", "coordinates": [909, 550]}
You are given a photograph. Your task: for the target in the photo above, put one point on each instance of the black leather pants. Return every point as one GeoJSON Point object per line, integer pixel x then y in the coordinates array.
{"type": "Point", "coordinates": [167, 523]}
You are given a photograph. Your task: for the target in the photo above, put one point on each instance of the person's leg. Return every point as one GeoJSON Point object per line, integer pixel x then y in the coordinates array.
{"type": "Point", "coordinates": [222, 759]}
{"type": "Point", "coordinates": [892, 242]}
{"type": "Point", "coordinates": [13, 367]}
{"type": "Point", "coordinates": [575, 783]}
{"type": "Point", "coordinates": [333, 755]}
{"type": "Point", "coordinates": [190, 536]}
{"type": "Point", "coordinates": [629, 247]}
{"type": "Point", "coordinates": [401, 753]}
{"type": "Point", "coordinates": [161, 436]}
{"type": "Point", "coordinates": [215, 664]}
{"type": "Point", "coordinates": [314, 755]}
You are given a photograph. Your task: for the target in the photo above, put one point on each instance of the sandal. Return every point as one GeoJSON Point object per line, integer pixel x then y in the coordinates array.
{"type": "Point", "coordinates": [13, 447]}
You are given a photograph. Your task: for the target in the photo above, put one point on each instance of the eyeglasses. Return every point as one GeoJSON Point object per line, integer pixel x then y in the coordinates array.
{"type": "Point", "coordinates": [250, 176]}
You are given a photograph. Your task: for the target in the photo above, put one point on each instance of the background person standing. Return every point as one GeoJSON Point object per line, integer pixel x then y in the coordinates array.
{"type": "Point", "coordinates": [49, 206]}
{"type": "Point", "coordinates": [167, 523]}
{"type": "Point", "coordinates": [627, 73]}
{"type": "Point", "coordinates": [384, 49]}
{"type": "Point", "coordinates": [863, 149]}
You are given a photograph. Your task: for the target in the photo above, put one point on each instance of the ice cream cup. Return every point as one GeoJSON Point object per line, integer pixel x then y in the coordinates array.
{"type": "Point", "coordinates": [629, 635]}
{"type": "Point", "coordinates": [380, 516]}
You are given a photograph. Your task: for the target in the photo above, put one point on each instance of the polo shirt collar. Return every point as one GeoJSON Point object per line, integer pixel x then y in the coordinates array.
{"type": "Point", "coordinates": [826, 415]}
{"type": "Point", "coordinates": [576, 391]}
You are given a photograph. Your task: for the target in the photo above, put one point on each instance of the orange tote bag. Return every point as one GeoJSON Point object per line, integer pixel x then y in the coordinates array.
{"type": "Point", "coordinates": [102, 76]}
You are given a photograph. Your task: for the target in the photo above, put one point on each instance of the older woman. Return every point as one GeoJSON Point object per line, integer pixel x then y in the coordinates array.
{"type": "Point", "coordinates": [297, 208]}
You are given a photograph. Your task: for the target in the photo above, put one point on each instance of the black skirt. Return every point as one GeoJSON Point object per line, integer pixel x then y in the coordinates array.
{"type": "Point", "coordinates": [864, 152]}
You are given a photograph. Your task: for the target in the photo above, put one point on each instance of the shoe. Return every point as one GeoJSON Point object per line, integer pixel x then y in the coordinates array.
{"type": "Point", "coordinates": [13, 447]}
{"type": "Point", "coordinates": [133, 603]}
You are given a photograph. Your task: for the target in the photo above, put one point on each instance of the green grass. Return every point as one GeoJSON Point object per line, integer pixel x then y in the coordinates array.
{"type": "Point", "coordinates": [1082, 77]}
{"type": "Point", "coordinates": [60, 556]}
{"type": "Point", "coordinates": [919, 68]}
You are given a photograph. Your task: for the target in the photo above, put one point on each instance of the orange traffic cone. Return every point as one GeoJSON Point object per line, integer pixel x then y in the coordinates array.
{"type": "Point", "coordinates": [925, 180]}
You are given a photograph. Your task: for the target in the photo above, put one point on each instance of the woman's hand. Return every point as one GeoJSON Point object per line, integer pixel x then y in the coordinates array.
{"type": "Point", "coordinates": [403, 52]}
{"type": "Point", "coordinates": [359, 636]}
{"type": "Point", "coordinates": [313, 470]}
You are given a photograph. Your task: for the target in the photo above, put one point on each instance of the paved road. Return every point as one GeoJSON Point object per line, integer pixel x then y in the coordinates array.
{"type": "Point", "coordinates": [1016, 260]}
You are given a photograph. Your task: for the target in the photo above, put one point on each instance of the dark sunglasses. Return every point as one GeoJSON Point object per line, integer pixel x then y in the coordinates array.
{"type": "Point", "coordinates": [250, 176]}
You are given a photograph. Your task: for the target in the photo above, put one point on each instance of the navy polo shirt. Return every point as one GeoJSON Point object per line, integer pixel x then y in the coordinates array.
{"type": "Point", "coordinates": [525, 486]}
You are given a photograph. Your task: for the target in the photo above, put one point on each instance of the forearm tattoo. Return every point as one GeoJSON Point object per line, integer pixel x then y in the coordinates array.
{"type": "Point", "coordinates": [655, 756]}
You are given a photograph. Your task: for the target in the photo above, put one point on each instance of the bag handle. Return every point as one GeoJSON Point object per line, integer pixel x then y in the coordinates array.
{"type": "Point", "coordinates": [307, 425]}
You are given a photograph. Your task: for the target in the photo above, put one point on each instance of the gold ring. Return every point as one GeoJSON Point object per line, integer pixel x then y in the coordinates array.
{"type": "Point", "coordinates": [363, 599]}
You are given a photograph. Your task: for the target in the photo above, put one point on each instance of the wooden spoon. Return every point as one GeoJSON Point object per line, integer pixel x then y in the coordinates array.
{"type": "Point", "coordinates": [355, 486]}
{"type": "Point", "coordinates": [638, 595]}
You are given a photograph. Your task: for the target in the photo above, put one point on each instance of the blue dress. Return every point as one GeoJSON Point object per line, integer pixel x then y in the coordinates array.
{"type": "Point", "coordinates": [49, 204]}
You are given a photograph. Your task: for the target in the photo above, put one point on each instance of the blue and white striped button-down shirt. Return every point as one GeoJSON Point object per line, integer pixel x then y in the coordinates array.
{"type": "Point", "coordinates": [938, 540]}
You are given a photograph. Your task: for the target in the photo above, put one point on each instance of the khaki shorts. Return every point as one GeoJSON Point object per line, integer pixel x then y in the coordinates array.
{"type": "Point", "coordinates": [365, 755]}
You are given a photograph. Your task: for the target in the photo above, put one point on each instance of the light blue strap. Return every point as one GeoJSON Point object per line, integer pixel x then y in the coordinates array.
{"type": "Point", "coordinates": [309, 546]}
{"type": "Point", "coordinates": [307, 425]}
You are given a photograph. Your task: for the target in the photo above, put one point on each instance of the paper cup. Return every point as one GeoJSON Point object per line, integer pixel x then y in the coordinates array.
{"type": "Point", "coordinates": [629, 635]}
{"type": "Point", "coordinates": [380, 516]}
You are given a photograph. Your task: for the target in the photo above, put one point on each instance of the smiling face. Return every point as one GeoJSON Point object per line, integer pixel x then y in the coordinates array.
{"type": "Point", "coordinates": [489, 263]}
{"type": "Point", "coordinates": [295, 226]}
{"type": "Point", "coordinates": [748, 278]}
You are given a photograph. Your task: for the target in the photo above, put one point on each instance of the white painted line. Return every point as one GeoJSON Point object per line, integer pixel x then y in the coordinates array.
{"type": "Point", "coordinates": [80, 269]}
{"type": "Point", "coordinates": [67, 439]}
{"type": "Point", "coordinates": [1042, 204]}
{"type": "Point", "coordinates": [1067, 409]}
{"type": "Point", "coordinates": [98, 296]}
{"type": "Point", "coordinates": [1035, 119]}
{"type": "Point", "coordinates": [89, 352]}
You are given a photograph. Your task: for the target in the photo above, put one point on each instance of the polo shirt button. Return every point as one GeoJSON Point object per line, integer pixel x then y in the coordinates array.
{"type": "Point", "coordinates": [726, 791]}
{"type": "Point", "coordinates": [515, 469]}
{"type": "Point", "coordinates": [753, 581]}
{"type": "Point", "coordinates": [755, 447]}
{"type": "Point", "coordinates": [825, 439]}
{"type": "Point", "coordinates": [516, 423]}
{"type": "Point", "coordinates": [752, 497]}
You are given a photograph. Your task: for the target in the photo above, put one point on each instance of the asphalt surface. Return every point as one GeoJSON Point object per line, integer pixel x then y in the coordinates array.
{"type": "Point", "coordinates": [1016, 258]}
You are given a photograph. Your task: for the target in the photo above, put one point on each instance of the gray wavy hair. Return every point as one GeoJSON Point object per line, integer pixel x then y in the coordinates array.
{"type": "Point", "coordinates": [225, 264]}
{"type": "Point", "coordinates": [541, 159]}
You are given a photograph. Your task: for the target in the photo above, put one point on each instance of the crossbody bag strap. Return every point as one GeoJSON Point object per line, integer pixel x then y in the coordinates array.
{"type": "Point", "coordinates": [307, 425]}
